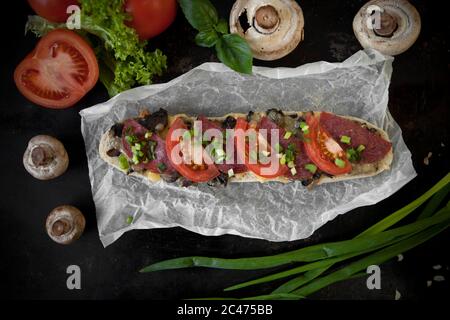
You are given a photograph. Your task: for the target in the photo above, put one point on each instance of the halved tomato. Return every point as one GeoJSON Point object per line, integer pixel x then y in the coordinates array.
{"type": "Point", "coordinates": [323, 150]}
{"type": "Point", "coordinates": [203, 173]}
{"type": "Point", "coordinates": [59, 71]}
{"type": "Point", "coordinates": [259, 168]}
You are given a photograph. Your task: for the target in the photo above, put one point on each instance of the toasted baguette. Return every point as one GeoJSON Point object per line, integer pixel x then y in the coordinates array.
{"type": "Point", "coordinates": [108, 141]}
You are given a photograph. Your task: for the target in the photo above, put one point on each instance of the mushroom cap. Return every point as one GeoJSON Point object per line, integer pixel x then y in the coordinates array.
{"type": "Point", "coordinates": [65, 224]}
{"type": "Point", "coordinates": [275, 35]}
{"type": "Point", "coordinates": [408, 25]}
{"type": "Point", "coordinates": [45, 157]}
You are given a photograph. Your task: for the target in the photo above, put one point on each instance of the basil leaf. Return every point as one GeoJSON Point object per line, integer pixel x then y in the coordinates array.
{"type": "Point", "coordinates": [206, 38]}
{"type": "Point", "coordinates": [222, 26]}
{"type": "Point", "coordinates": [201, 14]}
{"type": "Point", "coordinates": [235, 52]}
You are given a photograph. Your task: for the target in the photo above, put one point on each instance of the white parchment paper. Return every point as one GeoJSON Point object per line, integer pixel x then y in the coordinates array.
{"type": "Point", "coordinates": [273, 211]}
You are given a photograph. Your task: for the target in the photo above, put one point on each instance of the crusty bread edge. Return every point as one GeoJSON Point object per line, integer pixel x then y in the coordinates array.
{"type": "Point", "coordinates": [382, 165]}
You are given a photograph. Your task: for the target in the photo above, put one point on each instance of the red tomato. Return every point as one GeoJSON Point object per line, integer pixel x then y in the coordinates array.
{"type": "Point", "coordinates": [52, 10]}
{"type": "Point", "coordinates": [323, 150]}
{"type": "Point", "coordinates": [257, 168]}
{"type": "Point", "coordinates": [59, 71]}
{"type": "Point", "coordinates": [186, 170]}
{"type": "Point", "coordinates": [151, 17]}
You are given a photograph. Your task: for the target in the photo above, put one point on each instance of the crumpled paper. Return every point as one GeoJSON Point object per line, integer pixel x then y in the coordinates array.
{"type": "Point", "coordinates": [272, 211]}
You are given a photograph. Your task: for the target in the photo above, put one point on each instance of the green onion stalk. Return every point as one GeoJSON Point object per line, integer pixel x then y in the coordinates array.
{"type": "Point", "coordinates": [317, 269]}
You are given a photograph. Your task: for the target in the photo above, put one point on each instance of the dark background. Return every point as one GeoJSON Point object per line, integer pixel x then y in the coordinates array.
{"type": "Point", "coordinates": [32, 266]}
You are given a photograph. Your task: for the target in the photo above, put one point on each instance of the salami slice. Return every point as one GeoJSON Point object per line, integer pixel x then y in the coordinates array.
{"type": "Point", "coordinates": [376, 147]}
{"type": "Point", "coordinates": [301, 158]}
{"type": "Point", "coordinates": [132, 127]}
{"type": "Point", "coordinates": [223, 167]}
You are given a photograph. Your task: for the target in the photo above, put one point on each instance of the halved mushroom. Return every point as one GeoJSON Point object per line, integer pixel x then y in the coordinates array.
{"type": "Point", "coordinates": [389, 26]}
{"type": "Point", "coordinates": [45, 157]}
{"type": "Point", "coordinates": [272, 28]}
{"type": "Point", "coordinates": [65, 224]}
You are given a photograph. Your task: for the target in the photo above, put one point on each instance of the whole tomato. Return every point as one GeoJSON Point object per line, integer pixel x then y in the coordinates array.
{"type": "Point", "coordinates": [151, 17]}
{"type": "Point", "coordinates": [52, 10]}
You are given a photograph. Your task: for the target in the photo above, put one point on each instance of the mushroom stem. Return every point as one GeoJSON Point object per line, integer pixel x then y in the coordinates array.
{"type": "Point", "coordinates": [60, 227]}
{"type": "Point", "coordinates": [40, 157]}
{"type": "Point", "coordinates": [388, 25]}
{"type": "Point", "coordinates": [267, 17]}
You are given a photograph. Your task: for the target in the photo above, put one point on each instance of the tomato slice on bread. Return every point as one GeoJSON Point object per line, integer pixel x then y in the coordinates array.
{"type": "Point", "coordinates": [258, 168]}
{"type": "Point", "coordinates": [323, 150]}
{"type": "Point", "coordinates": [192, 172]}
{"type": "Point", "coordinates": [59, 71]}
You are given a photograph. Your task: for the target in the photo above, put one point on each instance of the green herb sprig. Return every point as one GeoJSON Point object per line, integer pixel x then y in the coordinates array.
{"type": "Point", "coordinates": [231, 49]}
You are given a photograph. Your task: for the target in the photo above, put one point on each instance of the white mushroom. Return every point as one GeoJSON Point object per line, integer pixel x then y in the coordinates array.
{"type": "Point", "coordinates": [45, 157]}
{"type": "Point", "coordinates": [65, 224]}
{"type": "Point", "coordinates": [389, 26]}
{"type": "Point", "coordinates": [272, 28]}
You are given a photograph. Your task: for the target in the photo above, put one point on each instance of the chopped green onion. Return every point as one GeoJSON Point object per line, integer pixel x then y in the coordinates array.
{"type": "Point", "coordinates": [217, 144]}
{"type": "Point", "coordinates": [161, 167]}
{"type": "Point", "coordinates": [137, 146]}
{"type": "Point", "coordinates": [253, 155]}
{"type": "Point", "coordinates": [353, 155]}
{"type": "Point", "coordinates": [305, 128]}
{"type": "Point", "coordinates": [131, 139]}
{"type": "Point", "coordinates": [187, 135]}
{"type": "Point", "coordinates": [291, 164]}
{"type": "Point", "coordinates": [148, 135]}
{"type": "Point", "coordinates": [220, 159]}
{"type": "Point", "coordinates": [151, 150]}
{"type": "Point", "coordinates": [283, 159]}
{"type": "Point", "coordinates": [265, 153]}
{"type": "Point", "coordinates": [129, 219]}
{"type": "Point", "coordinates": [311, 167]}
{"type": "Point", "coordinates": [230, 173]}
{"type": "Point", "coordinates": [290, 152]}
{"type": "Point", "coordinates": [196, 132]}
{"type": "Point", "coordinates": [287, 135]}
{"type": "Point", "coordinates": [339, 162]}
{"type": "Point", "coordinates": [293, 171]}
{"type": "Point", "coordinates": [278, 148]}
{"type": "Point", "coordinates": [219, 152]}
{"type": "Point", "coordinates": [346, 139]}
{"type": "Point", "coordinates": [123, 162]}
{"type": "Point", "coordinates": [361, 148]}
{"type": "Point", "coordinates": [140, 153]}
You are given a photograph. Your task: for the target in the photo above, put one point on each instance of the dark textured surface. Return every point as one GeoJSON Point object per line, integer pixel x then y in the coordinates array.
{"type": "Point", "coordinates": [34, 267]}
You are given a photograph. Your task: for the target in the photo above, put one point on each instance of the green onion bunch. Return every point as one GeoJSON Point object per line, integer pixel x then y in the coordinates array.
{"type": "Point", "coordinates": [314, 267]}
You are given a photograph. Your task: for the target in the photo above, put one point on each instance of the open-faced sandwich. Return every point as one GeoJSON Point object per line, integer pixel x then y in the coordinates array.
{"type": "Point", "coordinates": [311, 147]}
